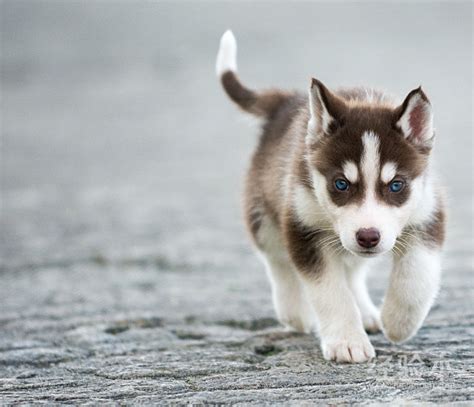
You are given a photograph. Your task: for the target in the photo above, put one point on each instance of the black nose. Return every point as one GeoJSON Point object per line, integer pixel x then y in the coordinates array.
{"type": "Point", "coordinates": [368, 238]}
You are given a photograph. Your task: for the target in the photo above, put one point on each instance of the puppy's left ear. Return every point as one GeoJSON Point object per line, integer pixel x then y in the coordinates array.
{"type": "Point", "coordinates": [415, 118]}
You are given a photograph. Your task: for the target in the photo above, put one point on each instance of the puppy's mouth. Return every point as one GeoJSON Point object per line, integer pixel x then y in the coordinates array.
{"type": "Point", "coordinates": [367, 253]}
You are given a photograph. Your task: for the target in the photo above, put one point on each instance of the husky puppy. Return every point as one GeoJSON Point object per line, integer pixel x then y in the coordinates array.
{"type": "Point", "coordinates": [338, 178]}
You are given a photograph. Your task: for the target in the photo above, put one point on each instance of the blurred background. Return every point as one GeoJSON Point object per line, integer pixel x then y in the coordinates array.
{"type": "Point", "coordinates": [117, 139]}
{"type": "Point", "coordinates": [122, 159]}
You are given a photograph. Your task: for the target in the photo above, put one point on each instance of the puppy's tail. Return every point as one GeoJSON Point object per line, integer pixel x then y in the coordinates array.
{"type": "Point", "coordinates": [262, 103]}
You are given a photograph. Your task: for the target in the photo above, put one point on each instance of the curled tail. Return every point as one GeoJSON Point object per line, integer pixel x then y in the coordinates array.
{"type": "Point", "coordinates": [258, 103]}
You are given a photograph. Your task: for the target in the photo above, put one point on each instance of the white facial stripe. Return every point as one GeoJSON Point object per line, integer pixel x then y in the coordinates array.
{"type": "Point", "coordinates": [389, 170]}
{"type": "Point", "coordinates": [370, 162]}
{"type": "Point", "coordinates": [350, 171]}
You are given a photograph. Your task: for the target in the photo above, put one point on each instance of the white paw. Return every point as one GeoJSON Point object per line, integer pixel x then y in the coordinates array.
{"type": "Point", "coordinates": [356, 350]}
{"type": "Point", "coordinates": [372, 323]}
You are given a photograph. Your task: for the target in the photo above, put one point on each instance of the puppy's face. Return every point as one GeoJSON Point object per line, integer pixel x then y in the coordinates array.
{"type": "Point", "coordinates": [368, 163]}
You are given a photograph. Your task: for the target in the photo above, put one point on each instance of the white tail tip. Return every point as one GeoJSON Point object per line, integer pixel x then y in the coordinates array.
{"type": "Point", "coordinates": [227, 55]}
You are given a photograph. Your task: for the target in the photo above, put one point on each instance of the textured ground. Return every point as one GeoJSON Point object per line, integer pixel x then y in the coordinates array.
{"type": "Point", "coordinates": [126, 275]}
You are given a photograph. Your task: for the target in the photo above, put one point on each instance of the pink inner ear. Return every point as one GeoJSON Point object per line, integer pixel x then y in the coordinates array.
{"type": "Point", "coordinates": [417, 120]}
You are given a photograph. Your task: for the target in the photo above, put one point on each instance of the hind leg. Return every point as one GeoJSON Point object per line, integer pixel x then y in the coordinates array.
{"type": "Point", "coordinates": [289, 299]}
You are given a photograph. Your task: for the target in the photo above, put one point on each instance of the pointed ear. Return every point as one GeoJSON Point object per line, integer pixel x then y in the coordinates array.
{"type": "Point", "coordinates": [415, 118]}
{"type": "Point", "coordinates": [326, 111]}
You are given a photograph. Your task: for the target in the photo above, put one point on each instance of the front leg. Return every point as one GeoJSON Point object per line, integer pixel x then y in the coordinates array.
{"type": "Point", "coordinates": [340, 324]}
{"type": "Point", "coordinates": [413, 286]}
{"type": "Point", "coordinates": [324, 281]}
{"type": "Point", "coordinates": [358, 285]}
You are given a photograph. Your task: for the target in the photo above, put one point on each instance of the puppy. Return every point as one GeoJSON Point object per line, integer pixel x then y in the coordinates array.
{"type": "Point", "coordinates": [339, 178]}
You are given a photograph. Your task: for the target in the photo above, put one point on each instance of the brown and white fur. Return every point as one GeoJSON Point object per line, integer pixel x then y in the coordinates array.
{"type": "Point", "coordinates": [317, 241]}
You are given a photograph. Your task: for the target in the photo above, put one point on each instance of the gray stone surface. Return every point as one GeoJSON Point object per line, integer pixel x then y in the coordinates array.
{"type": "Point", "coordinates": [126, 274]}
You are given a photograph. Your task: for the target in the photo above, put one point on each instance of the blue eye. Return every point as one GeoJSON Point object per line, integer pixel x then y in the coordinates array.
{"type": "Point", "coordinates": [396, 186]}
{"type": "Point", "coordinates": [341, 184]}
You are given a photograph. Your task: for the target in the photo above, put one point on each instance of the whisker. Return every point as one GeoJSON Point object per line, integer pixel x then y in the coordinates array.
{"type": "Point", "coordinates": [329, 243]}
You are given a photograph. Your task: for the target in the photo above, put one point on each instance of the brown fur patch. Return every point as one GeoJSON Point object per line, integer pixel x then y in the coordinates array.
{"type": "Point", "coordinates": [259, 103]}
{"type": "Point", "coordinates": [434, 232]}
{"type": "Point", "coordinates": [263, 185]}
{"type": "Point", "coordinates": [303, 245]}
{"type": "Point", "coordinates": [430, 233]}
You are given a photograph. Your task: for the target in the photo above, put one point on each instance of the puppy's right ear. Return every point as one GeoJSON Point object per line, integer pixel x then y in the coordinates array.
{"type": "Point", "coordinates": [326, 111]}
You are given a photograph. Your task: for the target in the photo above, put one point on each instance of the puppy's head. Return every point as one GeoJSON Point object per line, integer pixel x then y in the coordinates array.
{"type": "Point", "coordinates": [368, 162]}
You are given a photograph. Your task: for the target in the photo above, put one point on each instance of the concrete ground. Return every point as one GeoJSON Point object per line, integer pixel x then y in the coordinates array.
{"type": "Point", "coordinates": [126, 274]}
